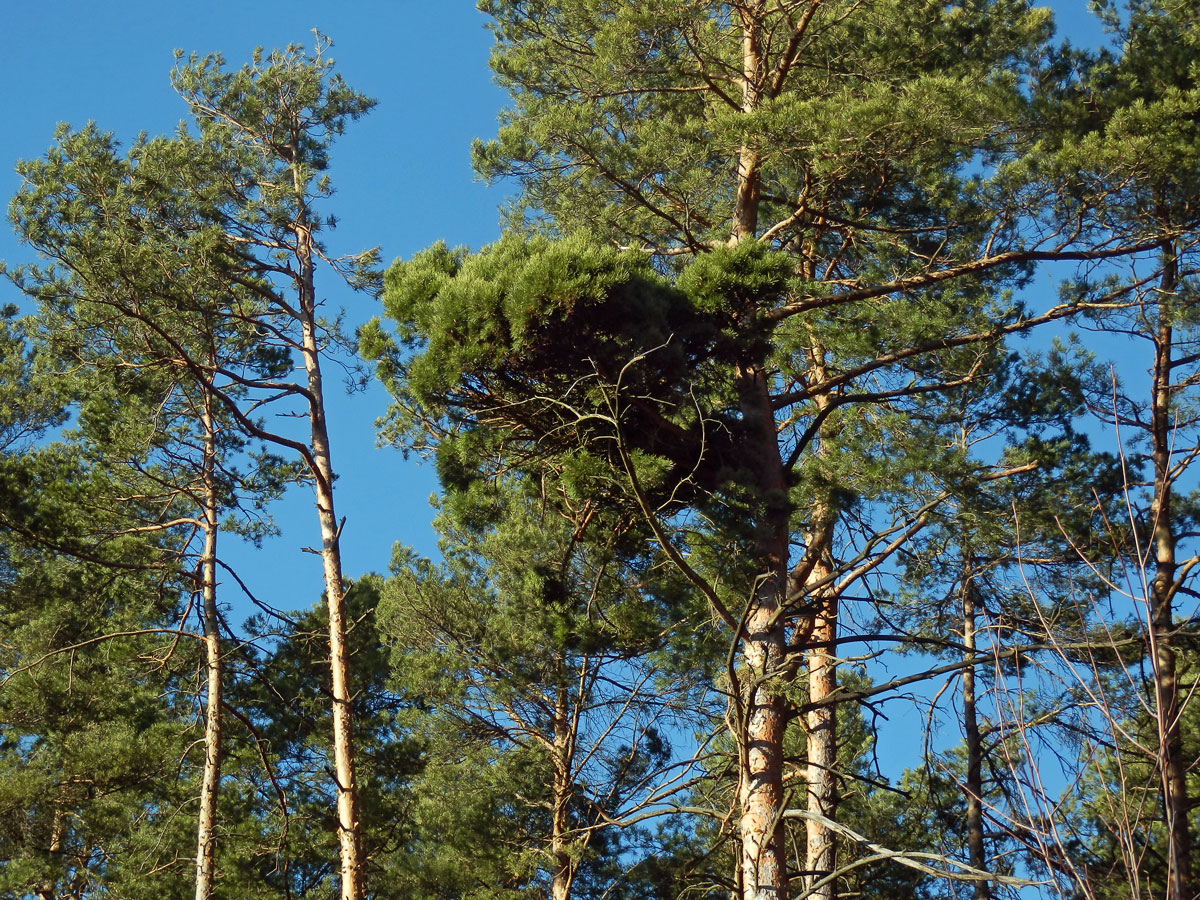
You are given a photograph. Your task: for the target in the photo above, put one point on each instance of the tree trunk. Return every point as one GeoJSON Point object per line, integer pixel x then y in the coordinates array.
{"type": "Point", "coordinates": [564, 752]}
{"type": "Point", "coordinates": [821, 732]}
{"type": "Point", "coordinates": [745, 211]}
{"type": "Point", "coordinates": [1172, 764]}
{"type": "Point", "coordinates": [206, 840]}
{"type": "Point", "coordinates": [760, 794]}
{"type": "Point", "coordinates": [817, 635]}
{"type": "Point", "coordinates": [760, 733]}
{"type": "Point", "coordinates": [762, 871]}
{"type": "Point", "coordinates": [349, 826]}
{"type": "Point", "coordinates": [48, 889]}
{"type": "Point", "coordinates": [974, 781]}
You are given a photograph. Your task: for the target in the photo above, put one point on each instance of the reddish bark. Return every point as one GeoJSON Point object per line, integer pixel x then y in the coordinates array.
{"type": "Point", "coordinates": [764, 647]}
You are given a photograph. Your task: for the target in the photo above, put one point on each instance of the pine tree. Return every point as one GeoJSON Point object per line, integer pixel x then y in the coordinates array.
{"type": "Point", "coordinates": [540, 648]}
{"type": "Point", "coordinates": [819, 204]}
{"type": "Point", "coordinates": [94, 709]}
{"type": "Point", "coordinates": [134, 299]}
{"type": "Point", "coordinates": [1132, 145]}
{"type": "Point", "coordinates": [234, 206]}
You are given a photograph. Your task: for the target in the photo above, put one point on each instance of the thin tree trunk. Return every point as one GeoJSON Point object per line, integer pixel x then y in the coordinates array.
{"type": "Point", "coordinates": [821, 734]}
{"type": "Point", "coordinates": [206, 840]}
{"type": "Point", "coordinates": [819, 633]}
{"type": "Point", "coordinates": [745, 211]}
{"type": "Point", "coordinates": [1172, 764]}
{"type": "Point", "coordinates": [349, 826]}
{"type": "Point", "coordinates": [48, 890]}
{"type": "Point", "coordinates": [974, 782]}
{"type": "Point", "coordinates": [560, 849]}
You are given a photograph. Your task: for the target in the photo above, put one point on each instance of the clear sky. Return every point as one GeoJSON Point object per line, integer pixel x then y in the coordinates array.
{"type": "Point", "coordinates": [402, 175]}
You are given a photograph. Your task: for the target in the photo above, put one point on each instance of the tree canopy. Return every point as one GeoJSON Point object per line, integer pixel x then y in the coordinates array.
{"type": "Point", "coordinates": [795, 540]}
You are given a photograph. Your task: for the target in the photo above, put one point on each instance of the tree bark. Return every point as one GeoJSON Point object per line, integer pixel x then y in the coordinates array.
{"type": "Point", "coordinates": [821, 733]}
{"type": "Point", "coordinates": [745, 211]}
{"type": "Point", "coordinates": [763, 872]}
{"type": "Point", "coordinates": [817, 637]}
{"type": "Point", "coordinates": [564, 752]}
{"type": "Point", "coordinates": [976, 851]}
{"type": "Point", "coordinates": [760, 734]}
{"type": "Point", "coordinates": [206, 839]}
{"type": "Point", "coordinates": [348, 824]}
{"type": "Point", "coordinates": [48, 889]}
{"type": "Point", "coordinates": [760, 793]}
{"type": "Point", "coordinates": [1172, 764]}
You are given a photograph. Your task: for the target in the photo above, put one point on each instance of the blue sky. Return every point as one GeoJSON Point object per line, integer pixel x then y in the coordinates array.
{"type": "Point", "coordinates": [402, 175]}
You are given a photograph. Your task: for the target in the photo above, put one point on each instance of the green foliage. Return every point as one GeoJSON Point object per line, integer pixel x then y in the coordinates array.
{"type": "Point", "coordinates": [557, 335]}
{"type": "Point", "coordinates": [274, 121]}
{"type": "Point", "coordinates": [534, 657]}
{"type": "Point", "coordinates": [625, 121]}
{"type": "Point", "coordinates": [747, 320]}
{"type": "Point", "coordinates": [170, 312]}
{"type": "Point", "coordinates": [140, 302]}
{"type": "Point", "coordinates": [93, 702]}
{"type": "Point", "coordinates": [522, 309]}
{"type": "Point", "coordinates": [284, 840]}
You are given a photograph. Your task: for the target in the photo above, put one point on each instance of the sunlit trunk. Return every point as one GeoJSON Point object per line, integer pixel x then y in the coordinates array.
{"type": "Point", "coordinates": [745, 211]}
{"type": "Point", "coordinates": [206, 839]}
{"type": "Point", "coordinates": [760, 733]}
{"type": "Point", "coordinates": [563, 864]}
{"type": "Point", "coordinates": [763, 865]}
{"type": "Point", "coordinates": [817, 638]}
{"type": "Point", "coordinates": [821, 733]}
{"type": "Point", "coordinates": [48, 890]}
{"type": "Point", "coordinates": [348, 824]}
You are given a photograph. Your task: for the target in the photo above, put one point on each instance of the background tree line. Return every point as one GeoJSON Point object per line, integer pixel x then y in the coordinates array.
{"type": "Point", "coordinates": [748, 477]}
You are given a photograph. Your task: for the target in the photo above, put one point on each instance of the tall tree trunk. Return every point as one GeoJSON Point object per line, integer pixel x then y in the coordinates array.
{"type": "Point", "coordinates": [818, 637]}
{"type": "Point", "coordinates": [564, 865]}
{"type": "Point", "coordinates": [763, 872]}
{"type": "Point", "coordinates": [974, 782]}
{"type": "Point", "coordinates": [760, 792]}
{"type": "Point", "coordinates": [764, 860]}
{"type": "Point", "coordinates": [1172, 764]}
{"type": "Point", "coordinates": [349, 825]}
{"type": "Point", "coordinates": [206, 839]}
{"type": "Point", "coordinates": [821, 725]}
